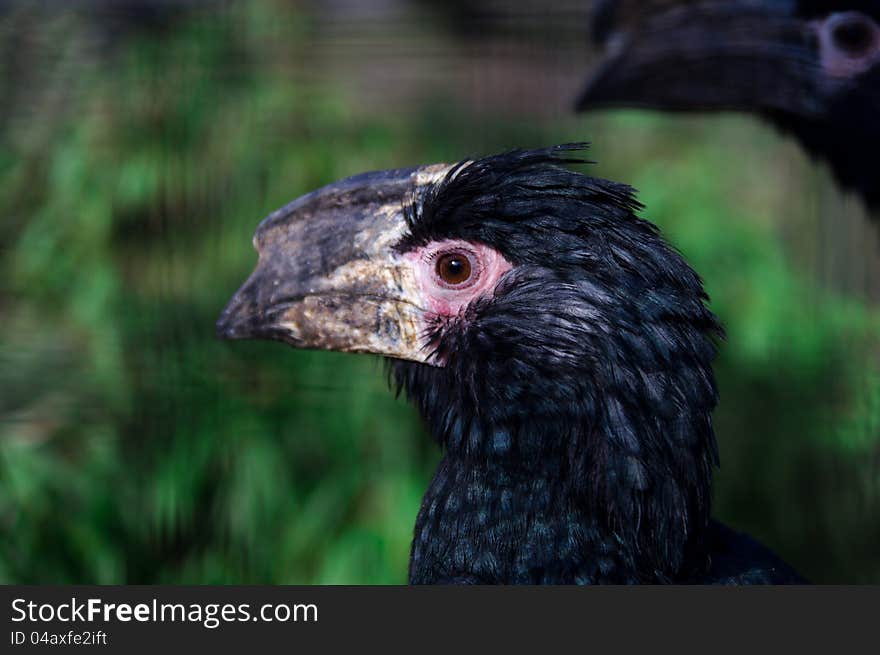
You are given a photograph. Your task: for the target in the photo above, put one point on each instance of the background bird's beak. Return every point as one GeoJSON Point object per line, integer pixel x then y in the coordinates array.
{"type": "Point", "coordinates": [328, 275]}
{"type": "Point", "coordinates": [710, 55]}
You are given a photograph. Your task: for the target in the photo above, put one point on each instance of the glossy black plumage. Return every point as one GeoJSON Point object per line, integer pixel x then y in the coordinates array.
{"type": "Point", "coordinates": [575, 407]}
{"type": "Point", "coordinates": [793, 63]}
{"type": "Point", "coordinates": [572, 395]}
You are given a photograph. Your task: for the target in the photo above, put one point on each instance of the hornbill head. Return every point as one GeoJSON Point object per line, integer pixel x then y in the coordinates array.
{"type": "Point", "coordinates": [812, 67]}
{"type": "Point", "coordinates": [531, 316]}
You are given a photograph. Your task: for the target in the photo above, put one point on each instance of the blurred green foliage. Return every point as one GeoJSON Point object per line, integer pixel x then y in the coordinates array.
{"type": "Point", "coordinates": [135, 448]}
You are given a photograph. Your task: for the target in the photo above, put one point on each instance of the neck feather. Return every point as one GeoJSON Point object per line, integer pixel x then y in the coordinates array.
{"type": "Point", "coordinates": [598, 493]}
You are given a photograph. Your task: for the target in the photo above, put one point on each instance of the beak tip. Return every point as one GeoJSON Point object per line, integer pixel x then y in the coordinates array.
{"type": "Point", "coordinates": [224, 331]}
{"type": "Point", "coordinates": [600, 89]}
{"type": "Point", "coordinates": [230, 326]}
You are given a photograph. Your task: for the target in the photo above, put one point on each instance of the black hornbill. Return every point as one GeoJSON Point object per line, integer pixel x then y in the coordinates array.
{"type": "Point", "coordinates": [557, 348]}
{"type": "Point", "coordinates": [810, 67]}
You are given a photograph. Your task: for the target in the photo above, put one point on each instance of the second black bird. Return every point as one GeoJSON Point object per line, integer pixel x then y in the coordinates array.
{"type": "Point", "coordinates": [810, 67]}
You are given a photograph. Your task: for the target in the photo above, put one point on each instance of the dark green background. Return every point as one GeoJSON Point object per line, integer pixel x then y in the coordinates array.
{"type": "Point", "coordinates": [137, 155]}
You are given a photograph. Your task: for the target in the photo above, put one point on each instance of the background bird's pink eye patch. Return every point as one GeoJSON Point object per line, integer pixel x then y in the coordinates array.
{"type": "Point", "coordinates": [849, 43]}
{"type": "Point", "coordinates": [453, 273]}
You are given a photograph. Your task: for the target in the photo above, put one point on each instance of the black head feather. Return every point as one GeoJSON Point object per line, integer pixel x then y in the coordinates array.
{"type": "Point", "coordinates": [590, 365]}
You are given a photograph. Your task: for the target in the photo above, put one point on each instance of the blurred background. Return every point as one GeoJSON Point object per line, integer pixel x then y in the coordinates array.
{"type": "Point", "coordinates": [141, 141]}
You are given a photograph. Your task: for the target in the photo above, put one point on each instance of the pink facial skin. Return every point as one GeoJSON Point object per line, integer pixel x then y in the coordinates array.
{"type": "Point", "coordinates": [488, 266]}
{"type": "Point", "coordinates": [839, 59]}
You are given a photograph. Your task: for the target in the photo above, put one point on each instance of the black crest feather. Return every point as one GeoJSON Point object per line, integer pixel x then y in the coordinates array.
{"type": "Point", "coordinates": [575, 404]}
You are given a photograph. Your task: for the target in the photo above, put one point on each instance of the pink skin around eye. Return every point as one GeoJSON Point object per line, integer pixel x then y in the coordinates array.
{"type": "Point", "coordinates": [836, 62]}
{"type": "Point", "coordinates": [488, 266]}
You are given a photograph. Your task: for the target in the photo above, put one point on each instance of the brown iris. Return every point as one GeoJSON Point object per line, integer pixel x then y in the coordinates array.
{"type": "Point", "coordinates": [454, 268]}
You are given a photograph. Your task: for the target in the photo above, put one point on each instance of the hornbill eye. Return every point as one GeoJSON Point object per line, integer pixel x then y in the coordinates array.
{"type": "Point", "coordinates": [454, 268]}
{"type": "Point", "coordinates": [453, 273]}
{"type": "Point", "coordinates": [854, 34]}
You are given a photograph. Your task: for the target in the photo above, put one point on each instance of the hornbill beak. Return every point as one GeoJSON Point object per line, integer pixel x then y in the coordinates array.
{"type": "Point", "coordinates": [329, 275]}
{"type": "Point", "coordinates": [712, 55]}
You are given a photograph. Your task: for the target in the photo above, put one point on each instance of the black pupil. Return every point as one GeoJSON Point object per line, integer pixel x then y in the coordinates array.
{"type": "Point", "coordinates": [454, 269]}
{"type": "Point", "coordinates": [854, 36]}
